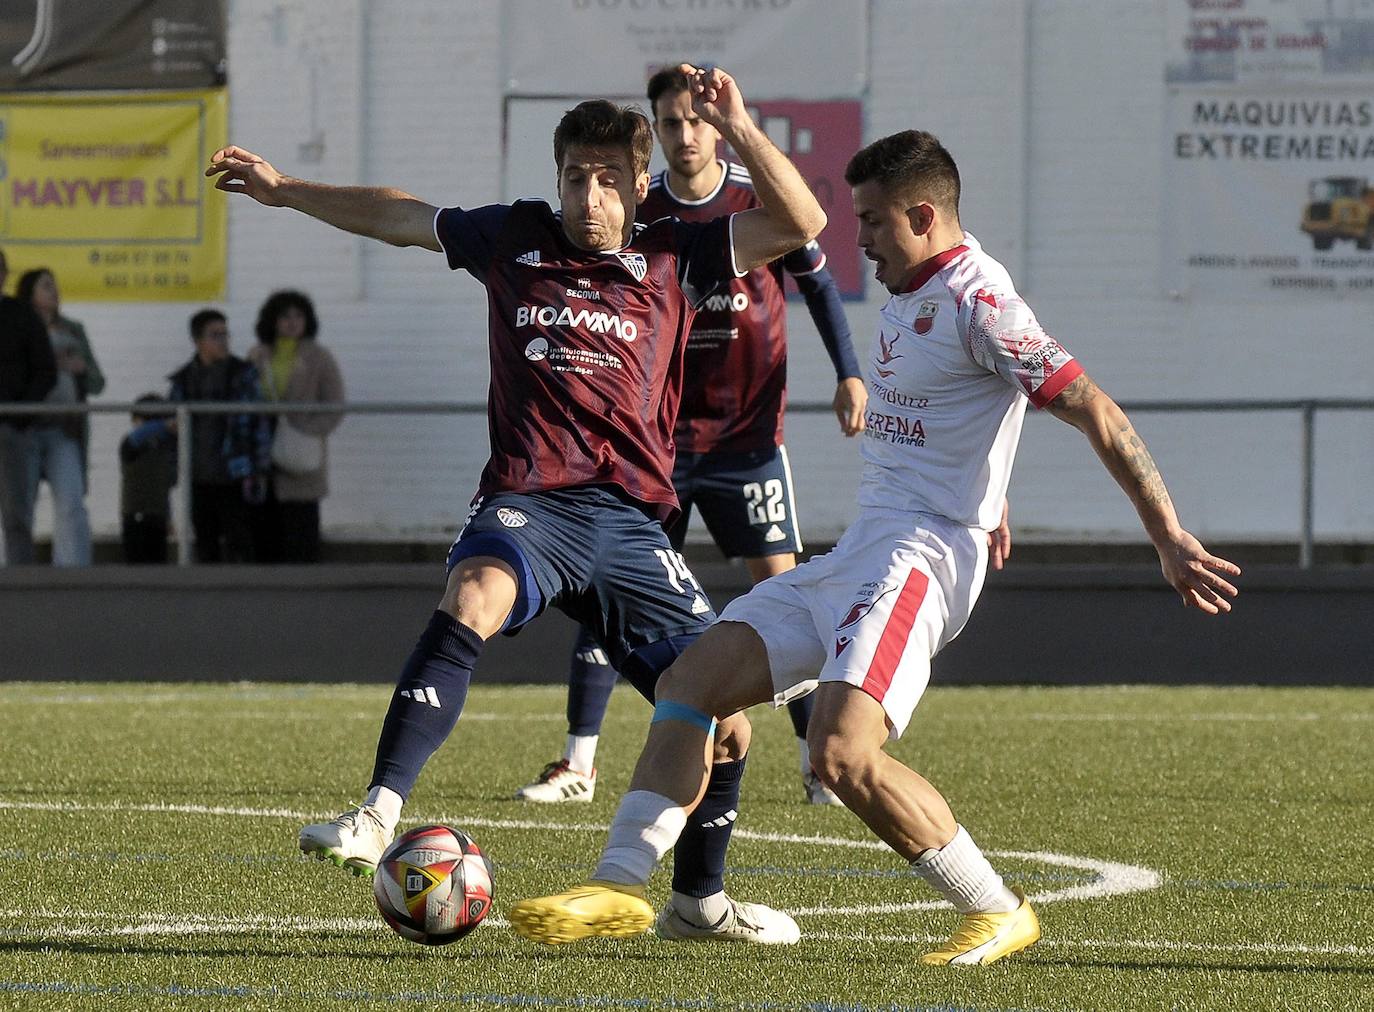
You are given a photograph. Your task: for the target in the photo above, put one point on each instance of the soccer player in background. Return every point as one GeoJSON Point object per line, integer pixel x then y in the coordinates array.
{"type": "Point", "coordinates": [588, 314]}
{"type": "Point", "coordinates": [731, 462]}
{"type": "Point", "coordinates": [958, 356]}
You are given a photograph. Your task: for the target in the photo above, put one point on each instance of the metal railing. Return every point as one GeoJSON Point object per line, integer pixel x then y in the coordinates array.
{"type": "Point", "coordinates": [1306, 409]}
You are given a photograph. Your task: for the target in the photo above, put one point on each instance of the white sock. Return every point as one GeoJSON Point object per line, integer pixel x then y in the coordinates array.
{"type": "Point", "coordinates": [645, 828]}
{"type": "Point", "coordinates": [703, 910]}
{"type": "Point", "coordinates": [387, 803]}
{"type": "Point", "coordinates": [960, 873]}
{"type": "Point", "coordinates": [580, 751]}
{"type": "Point", "coordinates": [805, 750]}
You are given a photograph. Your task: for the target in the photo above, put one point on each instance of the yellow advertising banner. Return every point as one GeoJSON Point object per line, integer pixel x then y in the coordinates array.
{"type": "Point", "coordinates": [107, 190]}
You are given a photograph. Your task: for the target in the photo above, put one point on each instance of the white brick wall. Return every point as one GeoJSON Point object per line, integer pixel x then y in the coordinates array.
{"type": "Point", "coordinates": [1053, 109]}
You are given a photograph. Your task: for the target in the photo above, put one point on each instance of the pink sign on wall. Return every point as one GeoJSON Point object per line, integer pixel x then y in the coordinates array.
{"type": "Point", "coordinates": [820, 138]}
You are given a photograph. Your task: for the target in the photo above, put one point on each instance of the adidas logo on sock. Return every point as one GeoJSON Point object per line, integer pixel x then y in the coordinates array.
{"type": "Point", "coordinates": [425, 695]}
{"type": "Point", "coordinates": [722, 822]}
{"type": "Point", "coordinates": [530, 259]}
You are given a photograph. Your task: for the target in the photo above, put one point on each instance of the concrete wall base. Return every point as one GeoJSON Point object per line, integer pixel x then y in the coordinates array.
{"type": "Point", "coordinates": [1052, 625]}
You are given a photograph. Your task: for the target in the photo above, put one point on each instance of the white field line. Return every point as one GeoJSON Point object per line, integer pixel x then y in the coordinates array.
{"type": "Point", "coordinates": [1110, 878]}
{"type": "Point", "coordinates": [260, 693]}
{"type": "Point", "coordinates": [1240, 718]}
{"type": "Point", "coordinates": [133, 925]}
{"type": "Point", "coordinates": [1146, 944]}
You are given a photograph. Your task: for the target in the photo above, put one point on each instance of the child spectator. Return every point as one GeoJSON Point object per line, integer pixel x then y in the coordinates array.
{"type": "Point", "coordinates": [147, 472]}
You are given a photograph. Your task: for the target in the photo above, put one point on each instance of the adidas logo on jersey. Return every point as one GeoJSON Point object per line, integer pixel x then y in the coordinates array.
{"type": "Point", "coordinates": [699, 606]}
{"type": "Point", "coordinates": [425, 695]}
{"type": "Point", "coordinates": [530, 259]}
{"type": "Point", "coordinates": [774, 535]}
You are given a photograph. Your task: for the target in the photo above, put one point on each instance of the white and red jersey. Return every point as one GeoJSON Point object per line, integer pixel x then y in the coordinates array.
{"type": "Point", "coordinates": [956, 357]}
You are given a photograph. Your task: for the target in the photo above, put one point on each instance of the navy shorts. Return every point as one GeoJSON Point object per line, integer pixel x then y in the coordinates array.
{"type": "Point", "coordinates": [594, 553]}
{"type": "Point", "coordinates": [745, 498]}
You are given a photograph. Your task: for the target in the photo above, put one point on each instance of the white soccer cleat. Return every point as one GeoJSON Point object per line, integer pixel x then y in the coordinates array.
{"type": "Point", "coordinates": [355, 840]}
{"type": "Point", "coordinates": [742, 922]}
{"type": "Point", "coordinates": [559, 782]}
{"type": "Point", "coordinates": [817, 793]}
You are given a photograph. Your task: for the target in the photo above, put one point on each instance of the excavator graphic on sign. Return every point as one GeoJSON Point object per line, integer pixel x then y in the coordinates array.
{"type": "Point", "coordinates": [1339, 207]}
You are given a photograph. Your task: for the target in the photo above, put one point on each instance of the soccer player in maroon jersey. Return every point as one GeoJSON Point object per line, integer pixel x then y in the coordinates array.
{"type": "Point", "coordinates": [588, 314]}
{"type": "Point", "coordinates": [731, 463]}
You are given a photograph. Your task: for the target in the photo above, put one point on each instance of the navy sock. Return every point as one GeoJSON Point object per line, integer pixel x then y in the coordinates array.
{"type": "Point", "coordinates": [699, 857]}
{"type": "Point", "coordinates": [590, 681]}
{"type": "Point", "coordinates": [429, 697]}
{"type": "Point", "coordinates": [800, 712]}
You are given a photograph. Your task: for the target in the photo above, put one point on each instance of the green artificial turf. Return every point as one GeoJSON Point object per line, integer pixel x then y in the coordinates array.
{"type": "Point", "coordinates": [148, 857]}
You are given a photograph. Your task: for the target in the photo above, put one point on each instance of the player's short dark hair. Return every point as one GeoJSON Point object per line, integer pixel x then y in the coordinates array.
{"type": "Point", "coordinates": [669, 79]}
{"type": "Point", "coordinates": [278, 303]}
{"type": "Point", "coordinates": [912, 166]}
{"type": "Point", "coordinates": [601, 124]}
{"type": "Point", "coordinates": [203, 319]}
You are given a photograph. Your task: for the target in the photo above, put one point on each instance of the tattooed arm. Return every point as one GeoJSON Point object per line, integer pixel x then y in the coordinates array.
{"type": "Point", "coordinates": [1190, 569]}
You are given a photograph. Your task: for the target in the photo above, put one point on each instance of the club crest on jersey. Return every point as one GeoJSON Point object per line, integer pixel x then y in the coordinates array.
{"type": "Point", "coordinates": [511, 518]}
{"type": "Point", "coordinates": [925, 316]}
{"type": "Point", "coordinates": [635, 264]}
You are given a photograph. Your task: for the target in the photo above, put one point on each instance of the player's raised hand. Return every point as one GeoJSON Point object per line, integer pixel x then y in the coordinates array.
{"type": "Point", "coordinates": [1197, 574]}
{"type": "Point", "coordinates": [851, 398]}
{"type": "Point", "coordinates": [715, 96]}
{"type": "Point", "coordinates": [241, 171]}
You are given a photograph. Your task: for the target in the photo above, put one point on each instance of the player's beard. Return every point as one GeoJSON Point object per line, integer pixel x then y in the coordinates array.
{"type": "Point", "coordinates": [690, 164]}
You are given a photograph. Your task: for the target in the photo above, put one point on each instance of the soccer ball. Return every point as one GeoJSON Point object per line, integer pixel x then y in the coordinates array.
{"type": "Point", "coordinates": [433, 885]}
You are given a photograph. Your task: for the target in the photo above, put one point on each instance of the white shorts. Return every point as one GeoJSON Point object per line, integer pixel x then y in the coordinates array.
{"type": "Point", "coordinates": [872, 612]}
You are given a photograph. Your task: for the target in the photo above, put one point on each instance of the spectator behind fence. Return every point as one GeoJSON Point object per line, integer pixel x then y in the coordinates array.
{"type": "Point", "coordinates": [147, 472]}
{"type": "Point", "coordinates": [295, 368]}
{"type": "Point", "coordinates": [57, 444]}
{"type": "Point", "coordinates": [27, 372]}
{"type": "Point", "coordinates": [229, 453]}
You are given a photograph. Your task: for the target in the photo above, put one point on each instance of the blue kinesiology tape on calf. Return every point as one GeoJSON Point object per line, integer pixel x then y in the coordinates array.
{"type": "Point", "coordinates": [666, 709]}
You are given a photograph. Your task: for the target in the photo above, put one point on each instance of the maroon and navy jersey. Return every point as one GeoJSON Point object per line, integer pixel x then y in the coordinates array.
{"type": "Point", "coordinates": [736, 382]}
{"type": "Point", "coordinates": [586, 348]}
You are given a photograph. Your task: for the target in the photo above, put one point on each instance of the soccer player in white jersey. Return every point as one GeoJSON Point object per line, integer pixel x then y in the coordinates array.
{"type": "Point", "coordinates": [957, 357]}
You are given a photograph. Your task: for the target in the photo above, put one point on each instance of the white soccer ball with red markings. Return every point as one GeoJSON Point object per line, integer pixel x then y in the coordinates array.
{"type": "Point", "coordinates": [433, 885]}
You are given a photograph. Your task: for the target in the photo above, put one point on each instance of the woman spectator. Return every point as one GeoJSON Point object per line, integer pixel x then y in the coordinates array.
{"type": "Point", "coordinates": [58, 444]}
{"type": "Point", "coordinates": [293, 367]}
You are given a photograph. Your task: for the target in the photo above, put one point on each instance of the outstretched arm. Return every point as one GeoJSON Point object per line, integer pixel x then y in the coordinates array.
{"type": "Point", "coordinates": [790, 215]}
{"type": "Point", "coordinates": [1190, 569]}
{"type": "Point", "coordinates": [377, 212]}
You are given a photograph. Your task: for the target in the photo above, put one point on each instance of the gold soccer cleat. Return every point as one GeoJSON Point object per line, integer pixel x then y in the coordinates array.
{"type": "Point", "coordinates": [606, 909]}
{"type": "Point", "coordinates": [985, 938]}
